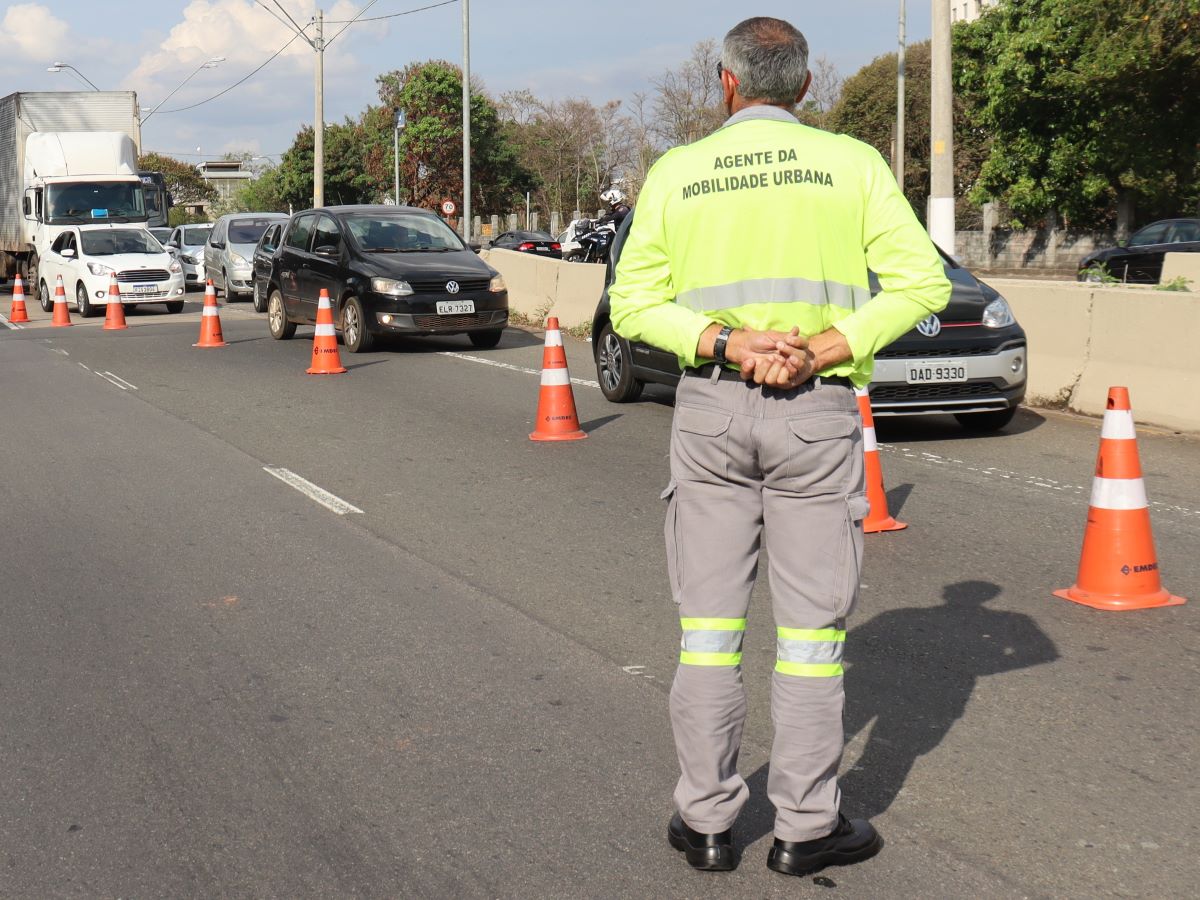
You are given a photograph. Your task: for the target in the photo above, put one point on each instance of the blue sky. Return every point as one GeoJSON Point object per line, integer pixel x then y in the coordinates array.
{"type": "Point", "coordinates": [602, 51]}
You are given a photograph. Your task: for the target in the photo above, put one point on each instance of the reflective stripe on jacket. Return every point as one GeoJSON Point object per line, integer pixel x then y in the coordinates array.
{"type": "Point", "coordinates": [768, 223]}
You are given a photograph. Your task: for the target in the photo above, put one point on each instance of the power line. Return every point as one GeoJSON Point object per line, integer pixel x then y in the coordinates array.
{"type": "Point", "coordinates": [351, 22]}
{"type": "Point", "coordinates": [407, 12]}
{"type": "Point", "coordinates": [295, 24]}
{"type": "Point", "coordinates": [236, 83]}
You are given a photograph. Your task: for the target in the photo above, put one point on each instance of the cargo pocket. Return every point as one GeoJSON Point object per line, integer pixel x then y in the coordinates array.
{"type": "Point", "coordinates": [701, 438]}
{"type": "Point", "coordinates": [671, 534]}
{"type": "Point", "coordinates": [820, 453]}
{"type": "Point", "coordinates": [857, 507]}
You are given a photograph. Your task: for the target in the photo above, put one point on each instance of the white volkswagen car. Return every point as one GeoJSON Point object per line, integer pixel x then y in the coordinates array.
{"type": "Point", "coordinates": [85, 257]}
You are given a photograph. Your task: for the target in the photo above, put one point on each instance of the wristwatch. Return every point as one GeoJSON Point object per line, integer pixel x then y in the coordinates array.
{"type": "Point", "coordinates": [719, 344]}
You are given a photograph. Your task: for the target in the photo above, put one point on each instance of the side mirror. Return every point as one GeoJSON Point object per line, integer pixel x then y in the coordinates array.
{"type": "Point", "coordinates": [217, 245]}
{"type": "Point", "coordinates": [25, 206]}
{"type": "Point", "coordinates": [67, 253]}
{"type": "Point", "coordinates": [1123, 242]}
{"type": "Point", "coordinates": [173, 245]}
{"type": "Point", "coordinates": [326, 250]}
{"type": "Point", "coordinates": [476, 247]}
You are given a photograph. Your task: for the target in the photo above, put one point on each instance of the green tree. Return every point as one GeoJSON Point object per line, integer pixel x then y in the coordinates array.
{"type": "Point", "coordinates": [263, 193]}
{"type": "Point", "coordinates": [186, 185]}
{"type": "Point", "coordinates": [1092, 105]}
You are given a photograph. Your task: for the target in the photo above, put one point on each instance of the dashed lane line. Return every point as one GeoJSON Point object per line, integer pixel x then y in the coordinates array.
{"type": "Point", "coordinates": [330, 501]}
{"type": "Point", "coordinates": [582, 382]}
{"type": "Point", "coordinates": [11, 326]}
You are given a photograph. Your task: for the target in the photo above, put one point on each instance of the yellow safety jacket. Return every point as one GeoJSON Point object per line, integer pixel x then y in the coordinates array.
{"type": "Point", "coordinates": [768, 223]}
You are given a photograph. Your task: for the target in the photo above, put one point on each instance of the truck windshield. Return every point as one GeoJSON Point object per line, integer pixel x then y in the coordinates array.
{"type": "Point", "coordinates": [108, 242]}
{"type": "Point", "coordinates": [121, 201]}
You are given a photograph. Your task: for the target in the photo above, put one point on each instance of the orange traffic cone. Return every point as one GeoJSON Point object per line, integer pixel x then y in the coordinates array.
{"type": "Point", "coordinates": [62, 315]}
{"type": "Point", "coordinates": [556, 417]}
{"type": "Point", "coordinates": [210, 320]}
{"type": "Point", "coordinates": [1118, 568]}
{"type": "Point", "coordinates": [17, 313]}
{"type": "Point", "coordinates": [878, 518]}
{"type": "Point", "coordinates": [114, 314]}
{"type": "Point", "coordinates": [325, 358]}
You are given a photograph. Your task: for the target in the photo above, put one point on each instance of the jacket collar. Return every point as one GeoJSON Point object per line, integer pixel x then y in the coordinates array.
{"type": "Point", "coordinates": [761, 111]}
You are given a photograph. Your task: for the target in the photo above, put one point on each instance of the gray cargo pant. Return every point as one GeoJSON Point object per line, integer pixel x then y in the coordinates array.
{"type": "Point", "coordinates": [754, 467]}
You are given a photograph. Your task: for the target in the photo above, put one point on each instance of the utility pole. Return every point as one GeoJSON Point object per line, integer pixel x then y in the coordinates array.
{"type": "Point", "coordinates": [319, 119]}
{"type": "Point", "coordinates": [941, 121]}
{"type": "Point", "coordinates": [399, 126]}
{"type": "Point", "coordinates": [898, 158]}
{"type": "Point", "coordinates": [466, 101]}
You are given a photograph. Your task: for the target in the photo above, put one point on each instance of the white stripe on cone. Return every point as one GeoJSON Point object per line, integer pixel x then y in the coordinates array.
{"type": "Point", "coordinates": [554, 338]}
{"type": "Point", "coordinates": [869, 440]}
{"type": "Point", "coordinates": [326, 330]}
{"type": "Point", "coordinates": [324, 303]}
{"type": "Point", "coordinates": [555, 377]}
{"type": "Point", "coordinates": [209, 311]}
{"type": "Point", "coordinates": [1119, 493]}
{"type": "Point", "coordinates": [1118, 425]}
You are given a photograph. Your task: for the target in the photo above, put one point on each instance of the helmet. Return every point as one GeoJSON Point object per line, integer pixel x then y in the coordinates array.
{"type": "Point", "coordinates": [612, 196]}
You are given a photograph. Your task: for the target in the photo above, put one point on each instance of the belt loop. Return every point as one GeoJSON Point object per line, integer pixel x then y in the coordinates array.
{"type": "Point", "coordinates": [817, 381]}
{"type": "Point", "coordinates": [716, 374]}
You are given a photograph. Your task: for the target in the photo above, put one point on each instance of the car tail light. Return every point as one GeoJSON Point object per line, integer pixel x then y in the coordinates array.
{"type": "Point", "coordinates": [525, 246]}
{"type": "Point", "coordinates": [556, 246]}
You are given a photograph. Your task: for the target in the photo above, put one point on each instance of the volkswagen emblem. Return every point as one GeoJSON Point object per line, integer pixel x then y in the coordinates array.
{"type": "Point", "coordinates": [452, 288]}
{"type": "Point", "coordinates": [930, 327]}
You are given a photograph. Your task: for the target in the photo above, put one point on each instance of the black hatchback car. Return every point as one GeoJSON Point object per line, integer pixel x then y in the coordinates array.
{"type": "Point", "coordinates": [1139, 260]}
{"type": "Point", "coordinates": [389, 270]}
{"type": "Point", "coordinates": [969, 360]}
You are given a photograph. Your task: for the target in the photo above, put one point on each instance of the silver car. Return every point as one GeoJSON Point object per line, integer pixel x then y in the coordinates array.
{"type": "Point", "coordinates": [229, 251]}
{"type": "Point", "coordinates": [188, 243]}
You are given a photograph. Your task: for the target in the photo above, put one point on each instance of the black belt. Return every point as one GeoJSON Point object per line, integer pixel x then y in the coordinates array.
{"type": "Point", "coordinates": [727, 374]}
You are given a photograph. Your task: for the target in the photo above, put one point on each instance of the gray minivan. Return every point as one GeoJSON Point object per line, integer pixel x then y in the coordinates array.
{"type": "Point", "coordinates": [229, 251]}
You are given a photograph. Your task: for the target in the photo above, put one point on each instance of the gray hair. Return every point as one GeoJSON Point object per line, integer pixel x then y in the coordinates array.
{"type": "Point", "coordinates": [769, 58]}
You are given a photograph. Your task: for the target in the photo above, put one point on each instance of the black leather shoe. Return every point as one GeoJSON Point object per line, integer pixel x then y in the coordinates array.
{"type": "Point", "coordinates": [706, 852]}
{"type": "Point", "coordinates": [850, 842]}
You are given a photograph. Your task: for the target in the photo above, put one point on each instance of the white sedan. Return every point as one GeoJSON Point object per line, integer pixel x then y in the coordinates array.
{"type": "Point", "coordinates": [86, 257]}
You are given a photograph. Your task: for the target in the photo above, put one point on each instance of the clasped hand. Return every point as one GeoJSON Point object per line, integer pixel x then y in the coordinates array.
{"type": "Point", "coordinates": [774, 358]}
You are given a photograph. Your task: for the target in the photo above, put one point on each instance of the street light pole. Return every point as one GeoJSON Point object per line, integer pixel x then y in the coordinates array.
{"type": "Point", "coordinates": [399, 125]}
{"type": "Point", "coordinates": [898, 159]}
{"type": "Point", "coordinates": [59, 66]}
{"type": "Point", "coordinates": [466, 101]}
{"type": "Point", "coordinates": [941, 122]}
{"type": "Point", "coordinates": [208, 64]}
{"type": "Point", "coordinates": [319, 123]}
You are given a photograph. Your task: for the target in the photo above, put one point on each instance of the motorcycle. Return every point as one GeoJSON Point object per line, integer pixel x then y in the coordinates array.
{"type": "Point", "coordinates": [594, 242]}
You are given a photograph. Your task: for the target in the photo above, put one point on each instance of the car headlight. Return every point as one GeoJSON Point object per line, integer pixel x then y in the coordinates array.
{"type": "Point", "coordinates": [998, 314]}
{"type": "Point", "coordinates": [497, 284]}
{"type": "Point", "coordinates": [175, 266]}
{"type": "Point", "coordinates": [238, 260]}
{"type": "Point", "coordinates": [393, 287]}
{"type": "Point", "coordinates": [192, 260]}
{"type": "Point", "coordinates": [98, 268]}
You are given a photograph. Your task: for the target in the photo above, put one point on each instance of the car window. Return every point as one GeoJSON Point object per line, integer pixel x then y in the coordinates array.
{"type": "Point", "coordinates": [60, 242]}
{"type": "Point", "coordinates": [270, 239]}
{"type": "Point", "coordinates": [297, 236]}
{"type": "Point", "coordinates": [247, 231]}
{"type": "Point", "coordinates": [1185, 231]}
{"type": "Point", "coordinates": [1151, 234]}
{"type": "Point", "coordinates": [326, 234]}
{"type": "Point", "coordinates": [118, 240]}
{"type": "Point", "coordinates": [401, 233]}
{"type": "Point", "coordinates": [218, 233]}
{"type": "Point", "coordinates": [193, 236]}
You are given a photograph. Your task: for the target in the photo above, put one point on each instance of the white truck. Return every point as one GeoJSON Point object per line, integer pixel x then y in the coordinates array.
{"type": "Point", "coordinates": [67, 158]}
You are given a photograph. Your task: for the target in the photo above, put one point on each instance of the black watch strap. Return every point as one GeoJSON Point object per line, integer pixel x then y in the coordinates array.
{"type": "Point", "coordinates": [719, 344]}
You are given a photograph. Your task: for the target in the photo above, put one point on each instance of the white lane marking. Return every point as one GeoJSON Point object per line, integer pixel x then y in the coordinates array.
{"type": "Point", "coordinates": [307, 488]}
{"type": "Point", "coordinates": [58, 350]}
{"type": "Point", "coordinates": [112, 380]}
{"type": "Point", "coordinates": [82, 366]}
{"type": "Point", "coordinates": [13, 326]}
{"type": "Point", "coordinates": [110, 376]}
{"type": "Point", "coordinates": [582, 382]}
{"type": "Point", "coordinates": [1034, 482]}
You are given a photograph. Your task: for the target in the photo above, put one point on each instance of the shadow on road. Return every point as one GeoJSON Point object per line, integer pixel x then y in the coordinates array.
{"type": "Point", "coordinates": [918, 429]}
{"type": "Point", "coordinates": [596, 424]}
{"type": "Point", "coordinates": [911, 673]}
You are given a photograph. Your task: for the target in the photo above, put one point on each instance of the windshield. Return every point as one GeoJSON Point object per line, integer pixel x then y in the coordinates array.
{"type": "Point", "coordinates": [401, 233]}
{"type": "Point", "coordinates": [118, 240]}
{"type": "Point", "coordinates": [88, 201]}
{"type": "Point", "coordinates": [193, 237]}
{"type": "Point", "coordinates": [248, 231]}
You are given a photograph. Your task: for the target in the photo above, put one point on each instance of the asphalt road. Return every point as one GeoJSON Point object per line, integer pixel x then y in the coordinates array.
{"type": "Point", "coordinates": [212, 685]}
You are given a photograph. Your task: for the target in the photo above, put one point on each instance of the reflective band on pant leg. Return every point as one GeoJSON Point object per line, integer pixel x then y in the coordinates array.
{"type": "Point", "coordinates": [809, 652]}
{"type": "Point", "coordinates": [711, 642]}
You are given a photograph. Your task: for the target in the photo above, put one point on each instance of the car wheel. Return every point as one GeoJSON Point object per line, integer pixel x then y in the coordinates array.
{"type": "Point", "coordinates": [986, 421]}
{"type": "Point", "coordinates": [355, 336]}
{"type": "Point", "coordinates": [277, 320]}
{"type": "Point", "coordinates": [260, 302]}
{"type": "Point", "coordinates": [614, 367]}
{"type": "Point", "coordinates": [83, 305]}
{"type": "Point", "coordinates": [486, 340]}
{"type": "Point", "coordinates": [175, 306]}
{"type": "Point", "coordinates": [45, 301]}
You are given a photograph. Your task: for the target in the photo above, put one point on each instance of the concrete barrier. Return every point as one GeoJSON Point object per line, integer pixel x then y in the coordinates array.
{"type": "Point", "coordinates": [1186, 265]}
{"type": "Point", "coordinates": [1085, 338]}
{"type": "Point", "coordinates": [539, 287]}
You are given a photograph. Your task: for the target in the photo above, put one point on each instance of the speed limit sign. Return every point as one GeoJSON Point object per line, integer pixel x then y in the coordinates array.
{"type": "Point", "coordinates": [448, 207]}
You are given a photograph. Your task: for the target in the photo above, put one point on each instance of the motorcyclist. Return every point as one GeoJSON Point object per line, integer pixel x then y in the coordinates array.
{"type": "Point", "coordinates": [617, 208]}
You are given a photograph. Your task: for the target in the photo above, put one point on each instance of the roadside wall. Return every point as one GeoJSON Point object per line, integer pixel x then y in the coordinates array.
{"type": "Point", "coordinates": [1085, 338]}
{"type": "Point", "coordinates": [1186, 265]}
{"type": "Point", "coordinates": [548, 287]}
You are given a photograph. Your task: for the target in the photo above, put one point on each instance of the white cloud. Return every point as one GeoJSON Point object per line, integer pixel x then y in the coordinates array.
{"type": "Point", "coordinates": [33, 31]}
